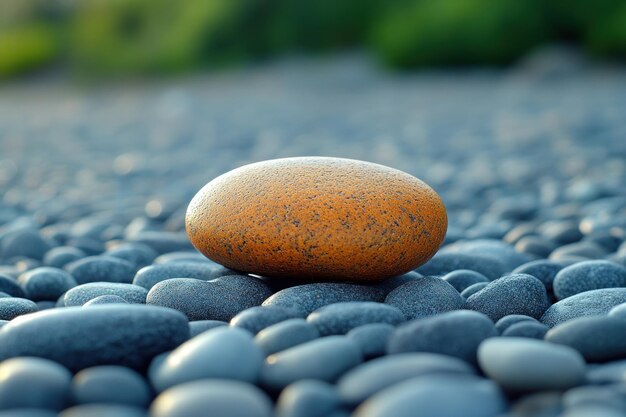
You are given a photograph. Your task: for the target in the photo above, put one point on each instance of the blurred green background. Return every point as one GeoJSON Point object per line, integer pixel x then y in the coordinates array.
{"type": "Point", "coordinates": [121, 38]}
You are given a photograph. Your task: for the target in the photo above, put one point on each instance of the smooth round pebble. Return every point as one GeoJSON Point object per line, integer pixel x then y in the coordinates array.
{"type": "Point", "coordinates": [340, 318]}
{"type": "Point", "coordinates": [537, 404]}
{"type": "Point", "coordinates": [81, 294]}
{"type": "Point", "coordinates": [511, 294]}
{"type": "Point", "coordinates": [463, 278]}
{"type": "Point", "coordinates": [105, 299]}
{"type": "Point", "coordinates": [45, 283]}
{"type": "Point", "coordinates": [444, 263]}
{"type": "Point", "coordinates": [255, 319]}
{"type": "Point", "coordinates": [162, 241]}
{"type": "Point", "coordinates": [285, 335]}
{"type": "Point", "coordinates": [591, 395]}
{"type": "Point", "coordinates": [151, 275]}
{"type": "Point", "coordinates": [588, 303]}
{"type": "Point", "coordinates": [542, 269]}
{"type": "Point", "coordinates": [26, 243]}
{"type": "Point", "coordinates": [322, 359]}
{"type": "Point", "coordinates": [10, 286]}
{"type": "Point", "coordinates": [473, 289]}
{"type": "Point", "coordinates": [309, 297]}
{"type": "Point", "coordinates": [223, 398]}
{"type": "Point", "coordinates": [366, 380]}
{"type": "Point", "coordinates": [128, 335]}
{"type": "Point", "coordinates": [34, 383]}
{"type": "Point", "coordinates": [201, 326]}
{"type": "Point", "coordinates": [103, 410]}
{"type": "Point", "coordinates": [101, 269]}
{"type": "Point", "coordinates": [618, 311]}
{"type": "Point", "coordinates": [587, 276]}
{"type": "Point", "coordinates": [535, 245]}
{"type": "Point", "coordinates": [533, 330]}
{"type": "Point", "coordinates": [455, 333]}
{"type": "Point", "coordinates": [111, 385]}
{"type": "Point", "coordinates": [219, 353]}
{"type": "Point", "coordinates": [371, 338]}
{"type": "Point", "coordinates": [13, 307]}
{"type": "Point", "coordinates": [220, 299]}
{"type": "Point", "coordinates": [362, 221]}
{"type": "Point", "coordinates": [62, 255]}
{"type": "Point", "coordinates": [425, 297]}
{"type": "Point", "coordinates": [138, 254]}
{"type": "Point", "coordinates": [308, 398]}
{"type": "Point", "coordinates": [523, 364]}
{"type": "Point", "coordinates": [508, 321]}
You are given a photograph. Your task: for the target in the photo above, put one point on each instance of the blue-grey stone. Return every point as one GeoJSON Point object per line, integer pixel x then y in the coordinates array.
{"type": "Point", "coordinates": [589, 303]}
{"type": "Point", "coordinates": [371, 338]}
{"type": "Point", "coordinates": [443, 263]}
{"type": "Point", "coordinates": [163, 242]}
{"type": "Point", "coordinates": [531, 329]}
{"type": "Point", "coordinates": [607, 373]}
{"type": "Point", "coordinates": [593, 410]}
{"type": "Point", "coordinates": [507, 321]}
{"type": "Point", "coordinates": [511, 294]}
{"type": "Point", "coordinates": [455, 333]}
{"type": "Point", "coordinates": [538, 404]}
{"type": "Point", "coordinates": [587, 276]}
{"type": "Point", "coordinates": [219, 353]}
{"type": "Point", "coordinates": [308, 398]}
{"type": "Point", "coordinates": [13, 307]}
{"type": "Point", "coordinates": [425, 297]}
{"type": "Point", "coordinates": [309, 297]}
{"type": "Point", "coordinates": [463, 278]}
{"type": "Point", "coordinates": [366, 380]}
{"type": "Point", "coordinates": [201, 326]}
{"type": "Point", "coordinates": [340, 318]}
{"type": "Point", "coordinates": [542, 269]}
{"type": "Point", "coordinates": [323, 359]}
{"type": "Point", "coordinates": [128, 335]}
{"type": "Point", "coordinates": [255, 319]}
{"type": "Point", "coordinates": [286, 334]}
{"type": "Point", "coordinates": [182, 256]}
{"type": "Point", "coordinates": [81, 294]}
{"type": "Point", "coordinates": [149, 276]}
{"type": "Point", "coordinates": [138, 254]}
{"type": "Point", "coordinates": [46, 283]}
{"type": "Point", "coordinates": [584, 249]}
{"type": "Point", "coordinates": [494, 249]}
{"type": "Point", "coordinates": [10, 286]}
{"type": "Point", "coordinates": [111, 385]}
{"type": "Point", "coordinates": [473, 289]}
{"type": "Point", "coordinates": [523, 364]}
{"type": "Point", "coordinates": [535, 245]}
{"type": "Point", "coordinates": [29, 412]}
{"type": "Point", "coordinates": [394, 282]}
{"type": "Point", "coordinates": [26, 243]}
{"type": "Point", "coordinates": [101, 269]}
{"type": "Point", "coordinates": [220, 299]}
{"type": "Point", "coordinates": [593, 395]}
{"type": "Point", "coordinates": [104, 299]}
{"type": "Point", "coordinates": [62, 255]}
{"type": "Point", "coordinates": [103, 410]}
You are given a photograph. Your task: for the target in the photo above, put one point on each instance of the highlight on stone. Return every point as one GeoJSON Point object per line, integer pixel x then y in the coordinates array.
{"type": "Point", "coordinates": [317, 218]}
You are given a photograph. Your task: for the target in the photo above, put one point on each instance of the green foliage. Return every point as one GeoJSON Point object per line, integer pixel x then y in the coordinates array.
{"type": "Point", "coordinates": [25, 48]}
{"type": "Point", "coordinates": [459, 32]}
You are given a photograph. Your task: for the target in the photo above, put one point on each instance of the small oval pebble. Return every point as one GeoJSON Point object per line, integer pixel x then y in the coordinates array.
{"type": "Point", "coordinates": [128, 335]}
{"type": "Point", "coordinates": [10, 286]}
{"type": "Point", "coordinates": [590, 395]}
{"type": "Point", "coordinates": [367, 379]}
{"type": "Point", "coordinates": [588, 303]}
{"type": "Point", "coordinates": [533, 330]}
{"type": "Point", "coordinates": [371, 338]}
{"type": "Point", "coordinates": [34, 383]}
{"type": "Point", "coordinates": [473, 289]}
{"type": "Point", "coordinates": [337, 354]}
{"type": "Point", "coordinates": [105, 299]}
{"type": "Point", "coordinates": [255, 319]}
{"type": "Point", "coordinates": [81, 294]}
{"type": "Point", "coordinates": [587, 276]}
{"type": "Point", "coordinates": [511, 294]}
{"type": "Point", "coordinates": [523, 364]}
{"type": "Point", "coordinates": [508, 321]}
{"type": "Point", "coordinates": [425, 297]}
{"type": "Point", "coordinates": [443, 263]}
{"type": "Point", "coordinates": [542, 269]}
{"type": "Point", "coordinates": [308, 398]}
{"type": "Point", "coordinates": [103, 410]}
{"type": "Point", "coordinates": [148, 276]}
{"type": "Point", "coordinates": [201, 326]}
{"type": "Point", "coordinates": [46, 283]}
{"type": "Point", "coordinates": [362, 221]}
{"type": "Point", "coordinates": [222, 352]}
{"type": "Point", "coordinates": [111, 385]}
{"type": "Point", "coordinates": [456, 333]}
{"type": "Point", "coordinates": [101, 268]}
{"type": "Point", "coordinates": [463, 278]}
{"type": "Point", "coordinates": [62, 255]}
{"type": "Point", "coordinates": [13, 307]}
{"type": "Point", "coordinates": [285, 335]}
{"type": "Point", "coordinates": [340, 318]}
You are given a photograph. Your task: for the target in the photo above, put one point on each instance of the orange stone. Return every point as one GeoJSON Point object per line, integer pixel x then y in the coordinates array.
{"type": "Point", "coordinates": [317, 218]}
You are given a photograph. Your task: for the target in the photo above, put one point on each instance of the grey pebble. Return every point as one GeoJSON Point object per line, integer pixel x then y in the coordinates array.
{"type": "Point", "coordinates": [111, 385]}
{"type": "Point", "coordinates": [255, 319]}
{"type": "Point", "coordinates": [62, 255]}
{"type": "Point", "coordinates": [473, 289]}
{"type": "Point", "coordinates": [340, 318]}
{"type": "Point", "coordinates": [13, 307]}
{"type": "Point", "coordinates": [425, 297]}
{"type": "Point", "coordinates": [372, 338]}
{"type": "Point", "coordinates": [46, 283]}
{"type": "Point", "coordinates": [81, 294]}
{"type": "Point", "coordinates": [9, 285]}
{"type": "Point", "coordinates": [589, 303]}
{"type": "Point", "coordinates": [443, 263]}
{"type": "Point", "coordinates": [104, 299]}
{"type": "Point", "coordinates": [138, 254]}
{"type": "Point", "coordinates": [587, 276]}
{"type": "Point", "coordinates": [286, 334]}
{"type": "Point", "coordinates": [508, 321]}
{"type": "Point", "coordinates": [101, 269]}
{"type": "Point", "coordinates": [533, 330]}
{"type": "Point", "coordinates": [151, 275]}
{"type": "Point", "coordinates": [103, 410]}
{"type": "Point", "coordinates": [201, 326]}
{"type": "Point", "coordinates": [542, 269]}
{"type": "Point", "coordinates": [461, 279]}
{"type": "Point", "coordinates": [308, 398]}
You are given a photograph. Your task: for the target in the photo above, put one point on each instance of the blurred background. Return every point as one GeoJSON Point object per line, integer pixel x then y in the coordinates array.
{"type": "Point", "coordinates": [118, 110]}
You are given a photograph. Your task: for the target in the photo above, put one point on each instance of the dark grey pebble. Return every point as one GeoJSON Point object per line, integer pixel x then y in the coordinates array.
{"type": "Point", "coordinates": [589, 303]}
{"type": "Point", "coordinates": [461, 279]}
{"type": "Point", "coordinates": [592, 395]}
{"type": "Point", "coordinates": [138, 254]}
{"type": "Point", "coordinates": [255, 319]}
{"type": "Point", "coordinates": [223, 398]}
{"type": "Point", "coordinates": [182, 256]}
{"type": "Point", "coordinates": [34, 383]}
{"type": "Point", "coordinates": [535, 245]}
{"type": "Point", "coordinates": [507, 321]}
{"type": "Point", "coordinates": [455, 333]}
{"type": "Point", "coordinates": [62, 255]}
{"type": "Point", "coordinates": [372, 338]}
{"type": "Point", "coordinates": [607, 373]}
{"type": "Point", "coordinates": [9, 285]}
{"type": "Point", "coordinates": [511, 294]}
{"type": "Point", "coordinates": [46, 283]}
{"type": "Point", "coordinates": [219, 299]}
{"type": "Point", "coordinates": [584, 249]}
{"type": "Point", "coordinates": [201, 326]}
{"type": "Point", "coordinates": [425, 297]}
{"type": "Point", "coordinates": [285, 335]}
{"type": "Point", "coordinates": [219, 353]}
{"type": "Point", "coordinates": [104, 299]}
{"type": "Point", "coordinates": [309, 297]}
{"type": "Point", "coordinates": [128, 335]}
{"type": "Point", "coordinates": [91, 246]}
{"type": "Point", "coordinates": [163, 242]}
{"type": "Point", "coordinates": [538, 404]}
{"type": "Point", "coordinates": [374, 376]}
{"type": "Point", "coordinates": [148, 276]}
{"type": "Point", "coordinates": [101, 269]}
{"type": "Point", "coordinates": [437, 396]}
{"type": "Point", "coordinates": [561, 232]}
{"type": "Point", "coordinates": [443, 263]}
{"type": "Point", "coordinates": [45, 305]}
{"type": "Point", "coordinates": [25, 243]}
{"type": "Point", "coordinates": [81, 294]}
{"type": "Point", "coordinates": [323, 359]}
{"type": "Point", "coordinates": [392, 283]}
{"type": "Point", "coordinates": [340, 318]}
{"type": "Point", "coordinates": [13, 307]}
{"type": "Point", "coordinates": [494, 249]}
{"type": "Point", "coordinates": [473, 289]}
{"type": "Point", "coordinates": [111, 385]}
{"type": "Point", "coordinates": [522, 364]}
{"type": "Point", "coordinates": [542, 269]}
{"type": "Point", "coordinates": [308, 398]}
{"type": "Point", "coordinates": [533, 330]}
{"type": "Point", "coordinates": [598, 339]}
{"type": "Point", "coordinates": [103, 410]}
{"type": "Point", "coordinates": [618, 311]}
{"type": "Point", "coordinates": [587, 276]}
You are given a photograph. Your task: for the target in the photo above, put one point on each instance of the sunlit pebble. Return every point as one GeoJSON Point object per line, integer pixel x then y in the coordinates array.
{"type": "Point", "coordinates": [125, 164]}
{"type": "Point", "coordinates": [154, 208]}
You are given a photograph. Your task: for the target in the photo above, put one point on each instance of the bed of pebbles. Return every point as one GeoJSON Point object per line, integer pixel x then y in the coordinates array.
{"type": "Point", "coordinates": [109, 311]}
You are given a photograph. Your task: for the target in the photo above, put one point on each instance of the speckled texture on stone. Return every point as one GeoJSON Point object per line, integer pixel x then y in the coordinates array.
{"type": "Point", "coordinates": [46, 283]}
{"type": "Point", "coordinates": [511, 294]}
{"type": "Point", "coordinates": [443, 263]}
{"type": "Point", "coordinates": [587, 276]}
{"type": "Point", "coordinates": [455, 333]}
{"type": "Point", "coordinates": [255, 319]}
{"type": "Point", "coordinates": [101, 268]}
{"type": "Point", "coordinates": [13, 307]}
{"type": "Point", "coordinates": [425, 297]}
{"type": "Point", "coordinates": [589, 303]}
{"type": "Point", "coordinates": [473, 289]}
{"type": "Point", "coordinates": [372, 338]}
{"type": "Point", "coordinates": [317, 217]}
{"type": "Point", "coordinates": [530, 329]}
{"type": "Point", "coordinates": [76, 337]}
{"type": "Point", "coordinates": [461, 279]}
{"type": "Point", "coordinates": [105, 299]}
{"type": "Point", "coordinates": [219, 299]}
{"type": "Point", "coordinates": [148, 276]}
{"type": "Point", "coordinates": [376, 375]}
{"type": "Point", "coordinates": [542, 269]}
{"type": "Point", "coordinates": [309, 297]}
{"type": "Point", "coordinates": [81, 294]}
{"type": "Point", "coordinates": [284, 335]}
{"type": "Point", "coordinates": [340, 318]}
